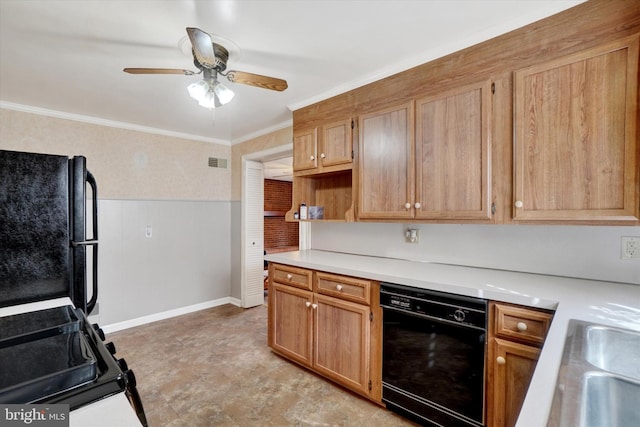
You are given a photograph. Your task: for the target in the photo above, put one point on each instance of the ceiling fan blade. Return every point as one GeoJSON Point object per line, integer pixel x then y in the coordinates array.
{"type": "Point", "coordinates": [257, 80]}
{"type": "Point", "coordinates": [158, 71]}
{"type": "Point", "coordinates": [202, 47]}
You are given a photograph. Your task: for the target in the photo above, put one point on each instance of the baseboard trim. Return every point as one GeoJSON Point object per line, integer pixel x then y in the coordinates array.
{"type": "Point", "coordinates": [168, 314]}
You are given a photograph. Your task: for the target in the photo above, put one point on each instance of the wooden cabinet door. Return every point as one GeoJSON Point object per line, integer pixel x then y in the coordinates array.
{"type": "Point", "coordinates": [305, 149]}
{"type": "Point", "coordinates": [510, 370]}
{"type": "Point", "coordinates": [291, 322]}
{"type": "Point", "coordinates": [337, 143]}
{"type": "Point", "coordinates": [341, 342]}
{"type": "Point", "coordinates": [453, 153]}
{"type": "Point", "coordinates": [576, 142]}
{"type": "Point", "coordinates": [386, 155]}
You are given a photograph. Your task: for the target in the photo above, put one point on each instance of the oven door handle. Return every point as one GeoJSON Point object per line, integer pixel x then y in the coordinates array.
{"type": "Point", "coordinates": [434, 318]}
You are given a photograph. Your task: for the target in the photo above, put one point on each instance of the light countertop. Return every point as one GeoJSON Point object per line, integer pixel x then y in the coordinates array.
{"type": "Point", "coordinates": [608, 303]}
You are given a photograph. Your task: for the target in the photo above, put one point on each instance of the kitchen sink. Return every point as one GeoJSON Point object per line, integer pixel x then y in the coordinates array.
{"type": "Point", "coordinates": [598, 384]}
{"type": "Point", "coordinates": [609, 400]}
{"type": "Point", "coordinates": [613, 350]}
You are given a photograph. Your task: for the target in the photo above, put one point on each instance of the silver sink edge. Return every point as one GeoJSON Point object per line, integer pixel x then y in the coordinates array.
{"type": "Point", "coordinates": [567, 408]}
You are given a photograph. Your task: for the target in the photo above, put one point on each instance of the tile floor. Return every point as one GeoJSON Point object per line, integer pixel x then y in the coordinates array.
{"type": "Point", "coordinates": [214, 368]}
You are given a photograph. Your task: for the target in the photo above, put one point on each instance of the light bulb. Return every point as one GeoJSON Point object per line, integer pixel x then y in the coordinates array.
{"type": "Point", "coordinates": [223, 93]}
{"type": "Point", "coordinates": [198, 89]}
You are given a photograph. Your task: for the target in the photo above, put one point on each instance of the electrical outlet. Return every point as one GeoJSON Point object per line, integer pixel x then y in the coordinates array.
{"type": "Point", "coordinates": [412, 235]}
{"type": "Point", "coordinates": [629, 247]}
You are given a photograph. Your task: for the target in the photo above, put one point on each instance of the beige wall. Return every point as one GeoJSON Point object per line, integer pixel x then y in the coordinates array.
{"type": "Point", "coordinates": [264, 142]}
{"type": "Point", "coordinates": [127, 164]}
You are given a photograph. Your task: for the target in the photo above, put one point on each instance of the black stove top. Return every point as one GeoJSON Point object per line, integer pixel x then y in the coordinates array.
{"type": "Point", "coordinates": [57, 356]}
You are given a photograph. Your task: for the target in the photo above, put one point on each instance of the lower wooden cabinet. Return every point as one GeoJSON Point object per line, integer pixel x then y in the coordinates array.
{"type": "Point", "coordinates": [515, 337]}
{"type": "Point", "coordinates": [335, 337]}
{"type": "Point", "coordinates": [341, 342]}
{"type": "Point", "coordinates": [291, 322]}
{"type": "Point", "coordinates": [512, 367]}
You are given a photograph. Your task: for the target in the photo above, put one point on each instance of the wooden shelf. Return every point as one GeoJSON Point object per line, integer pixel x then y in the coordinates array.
{"type": "Point", "coordinates": [274, 213]}
{"type": "Point", "coordinates": [331, 191]}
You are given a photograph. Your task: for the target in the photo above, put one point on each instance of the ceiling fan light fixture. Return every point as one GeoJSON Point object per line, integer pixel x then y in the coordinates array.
{"type": "Point", "coordinates": [198, 89]}
{"type": "Point", "coordinates": [223, 93]}
{"type": "Point", "coordinates": [210, 93]}
{"type": "Point", "coordinates": [209, 100]}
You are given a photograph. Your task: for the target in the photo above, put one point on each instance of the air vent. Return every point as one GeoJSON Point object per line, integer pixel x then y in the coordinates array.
{"type": "Point", "coordinates": [214, 162]}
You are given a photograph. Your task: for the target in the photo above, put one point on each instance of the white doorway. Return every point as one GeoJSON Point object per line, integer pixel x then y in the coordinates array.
{"type": "Point", "coordinates": [252, 267]}
{"type": "Point", "coordinates": [252, 234]}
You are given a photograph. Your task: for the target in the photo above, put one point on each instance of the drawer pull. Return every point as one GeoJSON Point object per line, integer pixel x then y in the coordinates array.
{"type": "Point", "coordinates": [500, 360]}
{"type": "Point", "coordinates": [407, 205]}
{"type": "Point", "coordinates": [308, 304]}
{"type": "Point", "coordinates": [339, 287]}
{"type": "Point", "coordinates": [314, 306]}
{"type": "Point", "coordinates": [522, 326]}
{"type": "Point", "coordinates": [289, 276]}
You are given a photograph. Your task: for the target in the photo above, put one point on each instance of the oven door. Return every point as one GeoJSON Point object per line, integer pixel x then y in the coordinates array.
{"type": "Point", "coordinates": [433, 371]}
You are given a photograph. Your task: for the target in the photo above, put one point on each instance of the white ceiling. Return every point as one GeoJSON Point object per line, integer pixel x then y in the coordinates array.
{"type": "Point", "coordinates": [279, 170]}
{"type": "Point", "coordinates": [65, 57]}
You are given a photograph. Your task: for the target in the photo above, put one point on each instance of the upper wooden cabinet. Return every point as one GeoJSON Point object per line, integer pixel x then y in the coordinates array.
{"type": "Point", "coordinates": [576, 142]}
{"type": "Point", "coordinates": [337, 143]}
{"type": "Point", "coordinates": [452, 154]}
{"type": "Point", "coordinates": [437, 170]}
{"type": "Point", "coordinates": [386, 170]}
{"type": "Point", "coordinates": [305, 149]}
{"type": "Point", "coordinates": [327, 149]}
{"type": "Point", "coordinates": [322, 169]}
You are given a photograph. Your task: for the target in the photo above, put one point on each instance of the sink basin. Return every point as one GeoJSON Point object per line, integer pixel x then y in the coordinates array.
{"type": "Point", "coordinates": [609, 401]}
{"type": "Point", "coordinates": [613, 350]}
{"type": "Point", "coordinates": [598, 383]}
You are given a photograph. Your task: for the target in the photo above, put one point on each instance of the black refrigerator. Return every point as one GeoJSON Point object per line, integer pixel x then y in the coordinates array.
{"type": "Point", "coordinates": [53, 355]}
{"type": "Point", "coordinates": [43, 235]}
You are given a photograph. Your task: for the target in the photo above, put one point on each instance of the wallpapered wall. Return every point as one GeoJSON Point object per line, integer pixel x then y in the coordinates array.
{"type": "Point", "coordinates": [127, 164]}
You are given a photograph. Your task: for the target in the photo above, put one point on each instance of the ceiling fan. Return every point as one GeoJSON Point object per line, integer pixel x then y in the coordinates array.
{"type": "Point", "coordinates": [211, 59]}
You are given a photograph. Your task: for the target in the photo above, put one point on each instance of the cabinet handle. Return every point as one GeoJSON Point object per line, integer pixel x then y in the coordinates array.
{"type": "Point", "coordinates": [417, 205]}
{"type": "Point", "coordinates": [312, 157]}
{"type": "Point", "coordinates": [522, 326]}
{"type": "Point", "coordinates": [322, 156]}
{"type": "Point", "coordinates": [500, 360]}
{"type": "Point", "coordinates": [407, 205]}
{"type": "Point", "coordinates": [339, 287]}
{"type": "Point", "coordinates": [519, 204]}
{"type": "Point", "coordinates": [308, 304]}
{"type": "Point", "coordinates": [314, 306]}
{"type": "Point", "coordinates": [289, 276]}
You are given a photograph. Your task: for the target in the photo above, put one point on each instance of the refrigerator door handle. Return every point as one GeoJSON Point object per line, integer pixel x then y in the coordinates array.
{"type": "Point", "coordinates": [93, 242]}
{"type": "Point", "coordinates": [84, 243]}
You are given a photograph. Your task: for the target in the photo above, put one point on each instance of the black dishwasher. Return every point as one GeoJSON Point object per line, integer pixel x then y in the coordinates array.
{"type": "Point", "coordinates": [433, 355]}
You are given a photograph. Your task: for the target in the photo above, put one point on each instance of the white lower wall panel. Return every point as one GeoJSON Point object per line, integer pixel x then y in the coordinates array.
{"type": "Point", "coordinates": [184, 262]}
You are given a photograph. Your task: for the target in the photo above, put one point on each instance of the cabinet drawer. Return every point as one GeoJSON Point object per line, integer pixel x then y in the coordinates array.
{"type": "Point", "coordinates": [347, 288]}
{"type": "Point", "coordinates": [521, 324]}
{"type": "Point", "coordinates": [292, 276]}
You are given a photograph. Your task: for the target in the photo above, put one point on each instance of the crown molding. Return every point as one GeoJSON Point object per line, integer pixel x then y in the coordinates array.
{"type": "Point", "coordinates": [108, 123]}
{"type": "Point", "coordinates": [266, 131]}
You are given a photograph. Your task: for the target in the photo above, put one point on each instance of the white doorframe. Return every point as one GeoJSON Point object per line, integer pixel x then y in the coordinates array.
{"type": "Point", "coordinates": [275, 153]}
{"type": "Point", "coordinates": [252, 235]}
